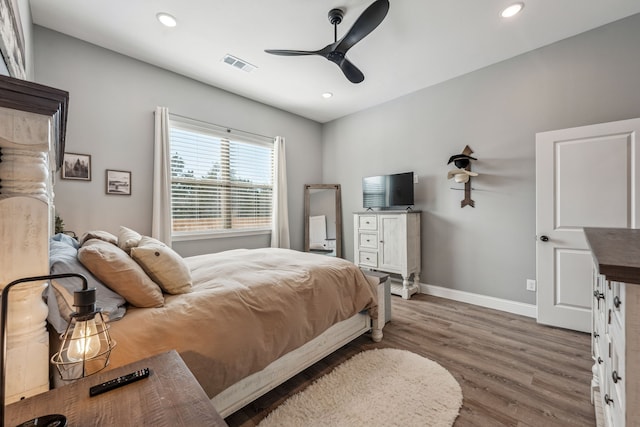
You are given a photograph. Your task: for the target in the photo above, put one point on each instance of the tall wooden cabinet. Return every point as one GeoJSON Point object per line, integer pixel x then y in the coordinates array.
{"type": "Point", "coordinates": [389, 241]}
{"type": "Point", "coordinates": [616, 326]}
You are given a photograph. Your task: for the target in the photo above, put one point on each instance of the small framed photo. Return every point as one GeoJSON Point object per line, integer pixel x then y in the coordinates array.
{"type": "Point", "coordinates": [118, 182]}
{"type": "Point", "coordinates": [76, 166]}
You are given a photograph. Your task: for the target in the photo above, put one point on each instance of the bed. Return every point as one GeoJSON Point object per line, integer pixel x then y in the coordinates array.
{"type": "Point", "coordinates": [245, 321]}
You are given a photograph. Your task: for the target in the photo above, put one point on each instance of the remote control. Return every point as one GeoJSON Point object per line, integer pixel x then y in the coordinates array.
{"type": "Point", "coordinates": [118, 382]}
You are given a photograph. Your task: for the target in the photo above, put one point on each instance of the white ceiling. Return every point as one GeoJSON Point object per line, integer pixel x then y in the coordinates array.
{"type": "Point", "coordinates": [420, 42]}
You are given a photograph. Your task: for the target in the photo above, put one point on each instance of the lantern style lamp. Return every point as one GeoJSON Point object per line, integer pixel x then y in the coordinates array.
{"type": "Point", "coordinates": [86, 344]}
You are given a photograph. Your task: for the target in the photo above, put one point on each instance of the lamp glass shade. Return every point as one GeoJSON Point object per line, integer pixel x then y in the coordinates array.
{"type": "Point", "coordinates": [86, 347]}
{"type": "Point", "coordinates": [84, 342]}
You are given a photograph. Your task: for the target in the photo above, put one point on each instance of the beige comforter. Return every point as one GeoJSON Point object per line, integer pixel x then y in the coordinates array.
{"type": "Point", "coordinates": [246, 309]}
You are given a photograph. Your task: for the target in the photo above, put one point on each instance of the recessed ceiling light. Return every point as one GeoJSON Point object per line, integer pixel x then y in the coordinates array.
{"type": "Point", "coordinates": [166, 19]}
{"type": "Point", "coordinates": [512, 10]}
{"type": "Point", "coordinates": [327, 95]}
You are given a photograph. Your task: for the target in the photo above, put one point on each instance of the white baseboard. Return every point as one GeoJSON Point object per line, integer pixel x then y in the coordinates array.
{"type": "Point", "coordinates": [529, 310]}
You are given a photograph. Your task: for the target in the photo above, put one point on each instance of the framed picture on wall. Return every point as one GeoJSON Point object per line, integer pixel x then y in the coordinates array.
{"type": "Point", "coordinates": [76, 166]}
{"type": "Point", "coordinates": [118, 182]}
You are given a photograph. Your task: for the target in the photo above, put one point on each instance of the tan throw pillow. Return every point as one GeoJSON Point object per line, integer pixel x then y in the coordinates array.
{"type": "Point", "coordinates": [163, 265]}
{"type": "Point", "coordinates": [127, 239]}
{"type": "Point", "coordinates": [120, 273]}
{"type": "Point", "coordinates": [99, 234]}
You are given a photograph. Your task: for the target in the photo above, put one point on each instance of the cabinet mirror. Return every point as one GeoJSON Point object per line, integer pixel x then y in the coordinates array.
{"type": "Point", "coordinates": [323, 219]}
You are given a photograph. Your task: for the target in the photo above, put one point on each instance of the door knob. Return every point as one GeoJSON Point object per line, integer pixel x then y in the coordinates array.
{"type": "Point", "coordinates": [544, 238]}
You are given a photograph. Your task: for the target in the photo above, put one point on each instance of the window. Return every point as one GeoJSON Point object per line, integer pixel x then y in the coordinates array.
{"type": "Point", "coordinates": [219, 183]}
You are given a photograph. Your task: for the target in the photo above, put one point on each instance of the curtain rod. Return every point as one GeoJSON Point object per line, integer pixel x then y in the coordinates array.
{"type": "Point", "coordinates": [225, 128]}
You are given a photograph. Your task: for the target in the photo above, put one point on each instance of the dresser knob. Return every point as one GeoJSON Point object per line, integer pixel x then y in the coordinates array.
{"type": "Point", "coordinates": [600, 360]}
{"type": "Point", "coordinates": [607, 399]}
{"type": "Point", "coordinates": [616, 377]}
{"type": "Point", "coordinates": [616, 301]}
{"type": "Point", "coordinates": [598, 295]}
{"type": "Point", "coordinates": [596, 335]}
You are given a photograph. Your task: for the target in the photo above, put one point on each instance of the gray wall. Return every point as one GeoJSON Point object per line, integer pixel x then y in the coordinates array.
{"type": "Point", "coordinates": [497, 111]}
{"type": "Point", "coordinates": [112, 99]}
{"type": "Point", "coordinates": [489, 250]}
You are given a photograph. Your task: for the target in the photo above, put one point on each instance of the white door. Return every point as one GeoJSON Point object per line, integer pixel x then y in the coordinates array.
{"type": "Point", "coordinates": [585, 177]}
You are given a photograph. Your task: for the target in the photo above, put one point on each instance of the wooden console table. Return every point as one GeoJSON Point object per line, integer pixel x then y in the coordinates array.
{"type": "Point", "coordinates": [170, 396]}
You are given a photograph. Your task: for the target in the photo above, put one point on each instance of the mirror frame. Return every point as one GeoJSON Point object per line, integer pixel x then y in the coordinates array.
{"type": "Point", "coordinates": [307, 206]}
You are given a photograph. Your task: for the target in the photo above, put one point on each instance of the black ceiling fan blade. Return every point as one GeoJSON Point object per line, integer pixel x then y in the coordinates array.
{"type": "Point", "coordinates": [283, 52]}
{"type": "Point", "coordinates": [335, 52]}
{"type": "Point", "coordinates": [351, 72]}
{"type": "Point", "coordinates": [366, 23]}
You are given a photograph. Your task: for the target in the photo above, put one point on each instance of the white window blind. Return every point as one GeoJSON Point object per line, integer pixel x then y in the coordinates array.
{"type": "Point", "coordinates": [219, 183]}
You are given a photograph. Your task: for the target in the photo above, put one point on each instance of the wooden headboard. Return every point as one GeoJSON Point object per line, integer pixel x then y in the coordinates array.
{"type": "Point", "coordinates": [32, 128]}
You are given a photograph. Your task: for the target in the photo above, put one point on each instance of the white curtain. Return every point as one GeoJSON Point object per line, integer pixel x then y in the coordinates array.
{"type": "Point", "coordinates": [280, 226]}
{"type": "Point", "coordinates": [161, 215]}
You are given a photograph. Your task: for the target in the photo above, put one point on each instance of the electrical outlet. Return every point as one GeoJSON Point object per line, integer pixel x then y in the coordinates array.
{"type": "Point", "coordinates": [531, 285]}
{"type": "Point", "coordinates": [415, 178]}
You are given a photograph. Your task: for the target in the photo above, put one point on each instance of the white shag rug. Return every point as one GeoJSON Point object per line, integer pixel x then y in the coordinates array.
{"type": "Point", "coordinates": [381, 387]}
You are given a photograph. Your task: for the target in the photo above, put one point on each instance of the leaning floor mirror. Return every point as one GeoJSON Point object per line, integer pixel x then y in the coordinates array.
{"type": "Point", "coordinates": [323, 219]}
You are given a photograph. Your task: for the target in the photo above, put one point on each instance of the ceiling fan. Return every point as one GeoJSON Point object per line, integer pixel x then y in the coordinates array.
{"type": "Point", "coordinates": [336, 51]}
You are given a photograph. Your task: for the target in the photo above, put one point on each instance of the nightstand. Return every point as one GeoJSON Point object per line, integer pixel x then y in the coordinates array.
{"type": "Point", "coordinates": [170, 396]}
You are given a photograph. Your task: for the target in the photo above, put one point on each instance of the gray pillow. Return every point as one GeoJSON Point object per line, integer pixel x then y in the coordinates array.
{"type": "Point", "coordinates": [64, 238]}
{"type": "Point", "coordinates": [63, 259]}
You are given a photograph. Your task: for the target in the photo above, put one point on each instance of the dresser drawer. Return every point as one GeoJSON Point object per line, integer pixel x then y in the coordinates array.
{"type": "Point", "coordinates": [368, 258]}
{"type": "Point", "coordinates": [368, 240]}
{"type": "Point", "coordinates": [367, 222]}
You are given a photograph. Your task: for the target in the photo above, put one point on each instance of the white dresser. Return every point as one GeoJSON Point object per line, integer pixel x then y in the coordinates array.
{"type": "Point", "coordinates": [389, 241]}
{"type": "Point", "coordinates": [616, 325]}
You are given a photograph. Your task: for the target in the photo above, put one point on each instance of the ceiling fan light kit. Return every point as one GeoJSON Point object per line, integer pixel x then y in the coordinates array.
{"type": "Point", "coordinates": [336, 51]}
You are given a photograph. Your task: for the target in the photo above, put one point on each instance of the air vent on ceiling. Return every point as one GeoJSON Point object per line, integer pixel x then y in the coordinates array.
{"type": "Point", "coordinates": [238, 63]}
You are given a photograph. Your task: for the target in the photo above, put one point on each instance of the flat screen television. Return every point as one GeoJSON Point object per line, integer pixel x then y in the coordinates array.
{"type": "Point", "coordinates": [387, 191]}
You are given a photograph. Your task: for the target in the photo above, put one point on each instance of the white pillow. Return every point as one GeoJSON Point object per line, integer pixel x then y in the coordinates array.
{"type": "Point", "coordinates": [99, 234]}
{"type": "Point", "coordinates": [120, 273]}
{"type": "Point", "coordinates": [128, 238]}
{"type": "Point", "coordinates": [163, 265]}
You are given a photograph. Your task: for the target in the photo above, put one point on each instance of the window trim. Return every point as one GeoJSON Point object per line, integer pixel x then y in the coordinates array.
{"type": "Point", "coordinates": [209, 235]}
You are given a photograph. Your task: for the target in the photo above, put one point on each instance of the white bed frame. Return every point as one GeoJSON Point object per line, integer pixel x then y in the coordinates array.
{"type": "Point", "coordinates": [294, 362]}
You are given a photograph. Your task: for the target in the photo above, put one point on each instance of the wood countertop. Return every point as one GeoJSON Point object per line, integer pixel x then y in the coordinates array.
{"type": "Point", "coordinates": [616, 252]}
{"type": "Point", "coordinates": [170, 396]}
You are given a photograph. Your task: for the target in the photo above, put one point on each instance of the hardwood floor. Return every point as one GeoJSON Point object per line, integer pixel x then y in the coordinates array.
{"type": "Point", "coordinates": [513, 372]}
